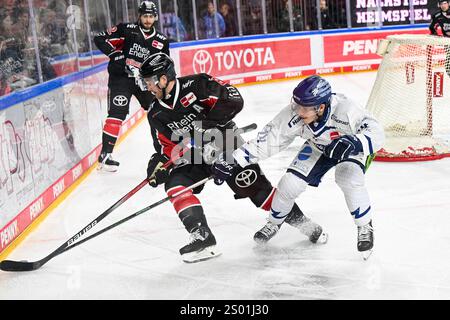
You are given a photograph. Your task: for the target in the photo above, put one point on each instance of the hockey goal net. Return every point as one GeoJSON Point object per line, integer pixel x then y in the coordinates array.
{"type": "Point", "coordinates": [411, 97]}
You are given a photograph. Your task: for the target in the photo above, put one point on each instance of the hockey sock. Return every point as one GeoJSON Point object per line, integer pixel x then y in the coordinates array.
{"type": "Point", "coordinates": [111, 131]}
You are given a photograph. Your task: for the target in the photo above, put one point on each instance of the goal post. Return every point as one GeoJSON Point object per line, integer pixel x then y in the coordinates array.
{"type": "Point", "coordinates": [411, 97]}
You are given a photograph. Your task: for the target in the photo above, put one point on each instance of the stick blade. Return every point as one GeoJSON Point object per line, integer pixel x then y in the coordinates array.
{"type": "Point", "coordinates": [16, 266]}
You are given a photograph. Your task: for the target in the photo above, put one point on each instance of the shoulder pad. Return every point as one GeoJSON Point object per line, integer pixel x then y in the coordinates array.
{"type": "Point", "coordinates": [161, 36]}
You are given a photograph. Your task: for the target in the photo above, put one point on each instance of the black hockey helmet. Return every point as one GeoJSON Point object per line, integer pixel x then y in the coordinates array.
{"type": "Point", "coordinates": [148, 7]}
{"type": "Point", "coordinates": [156, 65]}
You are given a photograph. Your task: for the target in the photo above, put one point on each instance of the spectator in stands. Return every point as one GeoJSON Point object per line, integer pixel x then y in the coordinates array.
{"type": "Point", "coordinates": [172, 23]}
{"type": "Point", "coordinates": [8, 8]}
{"type": "Point", "coordinates": [209, 24]}
{"type": "Point", "coordinates": [326, 18]}
{"type": "Point", "coordinates": [253, 22]}
{"type": "Point", "coordinates": [230, 22]}
{"type": "Point", "coordinates": [283, 22]}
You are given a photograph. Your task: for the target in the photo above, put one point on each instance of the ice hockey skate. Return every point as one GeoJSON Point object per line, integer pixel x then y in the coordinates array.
{"type": "Point", "coordinates": [309, 228]}
{"type": "Point", "coordinates": [365, 240]}
{"type": "Point", "coordinates": [266, 233]}
{"type": "Point", "coordinates": [106, 163]}
{"type": "Point", "coordinates": [202, 246]}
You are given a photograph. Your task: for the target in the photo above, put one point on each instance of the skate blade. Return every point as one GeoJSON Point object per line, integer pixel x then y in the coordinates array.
{"type": "Point", "coordinates": [202, 255]}
{"type": "Point", "coordinates": [106, 168]}
{"type": "Point", "coordinates": [366, 254]}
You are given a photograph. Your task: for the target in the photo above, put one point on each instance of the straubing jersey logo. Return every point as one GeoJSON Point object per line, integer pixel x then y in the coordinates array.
{"type": "Point", "coordinates": [305, 153]}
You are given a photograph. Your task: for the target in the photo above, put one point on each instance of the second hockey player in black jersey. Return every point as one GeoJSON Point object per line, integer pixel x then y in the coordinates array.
{"type": "Point", "coordinates": [198, 106]}
{"type": "Point", "coordinates": [127, 45]}
{"type": "Point", "coordinates": [440, 26]}
{"type": "Point", "coordinates": [441, 20]}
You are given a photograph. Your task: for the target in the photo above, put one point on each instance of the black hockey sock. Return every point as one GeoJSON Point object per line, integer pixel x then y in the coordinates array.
{"type": "Point", "coordinates": [192, 218]}
{"type": "Point", "coordinates": [108, 143]}
{"type": "Point", "coordinates": [295, 217]}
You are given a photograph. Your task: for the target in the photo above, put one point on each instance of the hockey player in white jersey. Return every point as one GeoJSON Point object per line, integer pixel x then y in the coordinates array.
{"type": "Point", "coordinates": [338, 134]}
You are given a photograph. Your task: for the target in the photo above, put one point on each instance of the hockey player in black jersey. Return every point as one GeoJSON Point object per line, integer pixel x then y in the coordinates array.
{"type": "Point", "coordinates": [127, 45]}
{"type": "Point", "coordinates": [440, 21]}
{"type": "Point", "coordinates": [201, 107]}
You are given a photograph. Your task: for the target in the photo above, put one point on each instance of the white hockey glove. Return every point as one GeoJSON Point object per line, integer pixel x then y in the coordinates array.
{"type": "Point", "coordinates": [133, 71]}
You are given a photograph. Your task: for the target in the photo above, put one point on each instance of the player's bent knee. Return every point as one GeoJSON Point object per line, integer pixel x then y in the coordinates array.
{"type": "Point", "coordinates": [291, 186]}
{"type": "Point", "coordinates": [349, 176]}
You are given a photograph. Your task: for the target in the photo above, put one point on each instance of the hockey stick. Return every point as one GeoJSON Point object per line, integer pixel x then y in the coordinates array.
{"type": "Point", "coordinates": [9, 265]}
{"type": "Point", "coordinates": [134, 215]}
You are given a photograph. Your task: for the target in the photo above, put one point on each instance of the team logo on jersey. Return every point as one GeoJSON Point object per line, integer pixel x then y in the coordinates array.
{"type": "Point", "coordinates": [188, 99]}
{"type": "Point", "coordinates": [202, 62]}
{"type": "Point", "coordinates": [334, 135]}
{"type": "Point", "coordinates": [158, 45]}
{"type": "Point", "coordinates": [120, 101]}
{"type": "Point", "coordinates": [305, 153]}
{"type": "Point", "coordinates": [246, 178]}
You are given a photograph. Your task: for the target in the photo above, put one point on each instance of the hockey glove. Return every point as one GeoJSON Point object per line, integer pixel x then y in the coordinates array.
{"type": "Point", "coordinates": [133, 72]}
{"type": "Point", "coordinates": [156, 174]}
{"type": "Point", "coordinates": [341, 148]}
{"type": "Point", "coordinates": [221, 169]}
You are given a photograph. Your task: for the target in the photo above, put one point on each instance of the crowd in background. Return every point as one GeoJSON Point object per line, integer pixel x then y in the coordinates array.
{"type": "Point", "coordinates": [304, 13]}
{"type": "Point", "coordinates": [62, 31]}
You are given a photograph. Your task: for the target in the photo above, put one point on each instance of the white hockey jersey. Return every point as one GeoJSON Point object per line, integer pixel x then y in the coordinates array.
{"type": "Point", "coordinates": [344, 117]}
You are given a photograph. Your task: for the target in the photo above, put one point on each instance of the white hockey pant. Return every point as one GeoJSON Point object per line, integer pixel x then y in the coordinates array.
{"type": "Point", "coordinates": [350, 178]}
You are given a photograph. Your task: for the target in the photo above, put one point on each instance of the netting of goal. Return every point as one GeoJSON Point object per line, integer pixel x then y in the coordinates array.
{"type": "Point", "coordinates": [411, 97]}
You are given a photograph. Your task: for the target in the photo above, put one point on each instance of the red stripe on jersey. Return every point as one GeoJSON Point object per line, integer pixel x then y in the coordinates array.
{"type": "Point", "coordinates": [210, 102]}
{"type": "Point", "coordinates": [166, 144]}
{"type": "Point", "coordinates": [112, 127]}
{"type": "Point", "coordinates": [117, 44]}
{"type": "Point", "coordinates": [267, 204]}
{"type": "Point", "coordinates": [184, 200]}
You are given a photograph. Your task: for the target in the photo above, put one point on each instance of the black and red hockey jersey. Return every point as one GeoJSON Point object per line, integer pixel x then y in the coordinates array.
{"type": "Point", "coordinates": [196, 102]}
{"type": "Point", "coordinates": [130, 40]}
{"type": "Point", "coordinates": [440, 20]}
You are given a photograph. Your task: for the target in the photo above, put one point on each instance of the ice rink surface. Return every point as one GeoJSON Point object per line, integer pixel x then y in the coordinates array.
{"type": "Point", "coordinates": [140, 259]}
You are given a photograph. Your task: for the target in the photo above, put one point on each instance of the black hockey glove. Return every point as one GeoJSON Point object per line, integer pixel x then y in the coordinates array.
{"type": "Point", "coordinates": [341, 148]}
{"type": "Point", "coordinates": [221, 169]}
{"type": "Point", "coordinates": [156, 174]}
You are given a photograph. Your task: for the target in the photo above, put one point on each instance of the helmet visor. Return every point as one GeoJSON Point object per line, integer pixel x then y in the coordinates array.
{"type": "Point", "coordinates": [151, 80]}
{"type": "Point", "coordinates": [301, 109]}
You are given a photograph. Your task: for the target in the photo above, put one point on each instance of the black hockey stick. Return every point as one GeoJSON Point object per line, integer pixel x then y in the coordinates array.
{"type": "Point", "coordinates": [134, 215]}
{"type": "Point", "coordinates": [9, 265]}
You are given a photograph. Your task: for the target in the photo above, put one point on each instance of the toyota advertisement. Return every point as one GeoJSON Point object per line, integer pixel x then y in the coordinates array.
{"type": "Point", "coordinates": [246, 57]}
